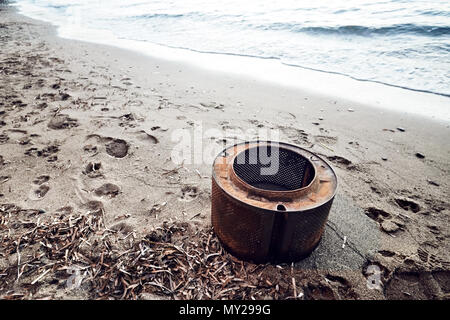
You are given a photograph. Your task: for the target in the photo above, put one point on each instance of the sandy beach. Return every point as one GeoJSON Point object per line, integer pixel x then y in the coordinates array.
{"type": "Point", "coordinates": [87, 177]}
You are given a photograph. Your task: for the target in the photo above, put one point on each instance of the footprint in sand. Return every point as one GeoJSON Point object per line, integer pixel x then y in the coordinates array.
{"type": "Point", "coordinates": [52, 158]}
{"type": "Point", "coordinates": [144, 136]}
{"type": "Point", "coordinates": [377, 214]}
{"type": "Point", "coordinates": [42, 106]}
{"type": "Point", "coordinates": [189, 193]}
{"type": "Point", "coordinates": [39, 193]}
{"type": "Point", "coordinates": [128, 120]}
{"type": "Point", "coordinates": [3, 138]}
{"type": "Point", "coordinates": [383, 218]}
{"type": "Point", "coordinates": [339, 160]}
{"type": "Point", "coordinates": [93, 170]}
{"type": "Point", "coordinates": [319, 291]}
{"type": "Point", "coordinates": [407, 205]}
{"type": "Point", "coordinates": [45, 152]}
{"type": "Point", "coordinates": [297, 136]}
{"type": "Point", "coordinates": [117, 148]}
{"type": "Point", "coordinates": [24, 141]}
{"type": "Point", "coordinates": [123, 228]}
{"type": "Point", "coordinates": [94, 207]}
{"type": "Point", "coordinates": [64, 96]}
{"type": "Point", "coordinates": [387, 253]}
{"type": "Point", "coordinates": [428, 254]}
{"type": "Point", "coordinates": [41, 179]}
{"type": "Point", "coordinates": [65, 210]}
{"type": "Point", "coordinates": [212, 105]}
{"type": "Point", "coordinates": [90, 149]}
{"type": "Point", "coordinates": [158, 128]}
{"type": "Point", "coordinates": [344, 287]}
{"type": "Point", "coordinates": [417, 285]}
{"type": "Point", "coordinates": [329, 140]}
{"type": "Point", "coordinates": [286, 115]}
{"type": "Point", "coordinates": [108, 189]}
{"type": "Point", "coordinates": [62, 121]}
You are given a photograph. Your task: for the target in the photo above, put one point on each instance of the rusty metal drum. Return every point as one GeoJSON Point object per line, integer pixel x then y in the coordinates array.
{"type": "Point", "coordinates": [270, 200]}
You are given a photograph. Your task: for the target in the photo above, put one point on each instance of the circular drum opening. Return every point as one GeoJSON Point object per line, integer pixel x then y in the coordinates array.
{"type": "Point", "coordinates": [273, 168]}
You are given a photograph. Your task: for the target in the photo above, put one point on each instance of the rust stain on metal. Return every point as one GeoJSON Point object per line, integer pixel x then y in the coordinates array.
{"type": "Point", "coordinates": [270, 217]}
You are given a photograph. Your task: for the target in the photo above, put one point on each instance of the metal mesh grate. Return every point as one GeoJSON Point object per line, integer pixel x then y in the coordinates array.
{"type": "Point", "coordinates": [273, 168]}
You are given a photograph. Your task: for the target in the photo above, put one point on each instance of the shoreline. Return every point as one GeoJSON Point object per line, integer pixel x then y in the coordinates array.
{"type": "Point", "coordinates": [100, 94]}
{"type": "Point", "coordinates": [385, 96]}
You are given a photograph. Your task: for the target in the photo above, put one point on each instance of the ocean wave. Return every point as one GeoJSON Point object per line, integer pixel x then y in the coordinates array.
{"type": "Point", "coordinates": [163, 16]}
{"type": "Point", "coordinates": [302, 66]}
{"type": "Point", "coordinates": [435, 13]}
{"type": "Point", "coordinates": [425, 30]}
{"type": "Point", "coordinates": [60, 6]}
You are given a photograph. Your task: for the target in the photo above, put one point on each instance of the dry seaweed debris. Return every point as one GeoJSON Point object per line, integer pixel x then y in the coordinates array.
{"type": "Point", "coordinates": [180, 262]}
{"type": "Point", "coordinates": [40, 245]}
{"type": "Point", "coordinates": [175, 260]}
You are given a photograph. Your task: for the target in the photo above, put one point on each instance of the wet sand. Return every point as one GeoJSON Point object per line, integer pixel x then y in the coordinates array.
{"type": "Point", "coordinates": [87, 179]}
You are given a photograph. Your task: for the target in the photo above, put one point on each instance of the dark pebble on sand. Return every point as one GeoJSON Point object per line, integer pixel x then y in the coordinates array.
{"type": "Point", "coordinates": [420, 155]}
{"type": "Point", "coordinates": [401, 129]}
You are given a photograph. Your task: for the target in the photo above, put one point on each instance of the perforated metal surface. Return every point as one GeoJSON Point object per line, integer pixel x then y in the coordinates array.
{"type": "Point", "coordinates": [275, 217]}
{"type": "Point", "coordinates": [244, 235]}
{"type": "Point", "coordinates": [292, 171]}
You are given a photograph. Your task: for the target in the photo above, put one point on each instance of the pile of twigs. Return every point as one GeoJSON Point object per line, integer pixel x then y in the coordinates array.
{"type": "Point", "coordinates": [42, 246]}
{"type": "Point", "coordinates": [193, 267]}
{"type": "Point", "coordinates": [175, 260]}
